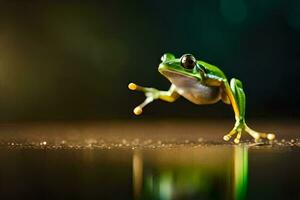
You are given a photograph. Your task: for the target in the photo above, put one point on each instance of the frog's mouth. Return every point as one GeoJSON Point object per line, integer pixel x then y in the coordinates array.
{"type": "Point", "coordinates": [178, 79]}
{"type": "Point", "coordinates": [173, 74]}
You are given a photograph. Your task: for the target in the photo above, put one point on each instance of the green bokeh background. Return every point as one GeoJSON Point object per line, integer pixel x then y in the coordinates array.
{"type": "Point", "coordinates": [63, 60]}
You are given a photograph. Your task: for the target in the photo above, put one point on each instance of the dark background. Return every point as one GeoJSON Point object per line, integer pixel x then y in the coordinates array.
{"type": "Point", "coordinates": [63, 60]}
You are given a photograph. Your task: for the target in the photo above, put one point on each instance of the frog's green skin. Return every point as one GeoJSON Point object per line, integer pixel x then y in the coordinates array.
{"type": "Point", "coordinates": [200, 83]}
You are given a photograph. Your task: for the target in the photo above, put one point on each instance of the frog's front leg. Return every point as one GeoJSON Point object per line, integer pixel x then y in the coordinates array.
{"type": "Point", "coordinates": [151, 94]}
{"type": "Point", "coordinates": [237, 98]}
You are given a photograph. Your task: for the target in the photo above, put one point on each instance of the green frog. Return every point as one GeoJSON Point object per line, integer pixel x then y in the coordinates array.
{"type": "Point", "coordinates": [202, 84]}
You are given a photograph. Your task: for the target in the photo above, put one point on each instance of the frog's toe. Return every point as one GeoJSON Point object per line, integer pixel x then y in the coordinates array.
{"type": "Point", "coordinates": [238, 137]}
{"type": "Point", "coordinates": [236, 140]}
{"type": "Point", "coordinates": [271, 136]}
{"type": "Point", "coordinates": [132, 86]}
{"type": "Point", "coordinates": [226, 137]}
{"type": "Point", "coordinates": [258, 135]}
{"type": "Point", "coordinates": [230, 134]}
{"type": "Point", "coordinates": [138, 110]}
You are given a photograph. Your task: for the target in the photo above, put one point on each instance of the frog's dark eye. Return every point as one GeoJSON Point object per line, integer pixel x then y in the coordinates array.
{"type": "Point", "coordinates": [188, 61]}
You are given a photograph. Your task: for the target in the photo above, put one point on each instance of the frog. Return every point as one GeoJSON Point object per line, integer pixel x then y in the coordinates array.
{"type": "Point", "coordinates": [202, 84]}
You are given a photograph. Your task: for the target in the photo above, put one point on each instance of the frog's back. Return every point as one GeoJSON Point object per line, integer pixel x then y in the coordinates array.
{"type": "Point", "coordinates": [212, 70]}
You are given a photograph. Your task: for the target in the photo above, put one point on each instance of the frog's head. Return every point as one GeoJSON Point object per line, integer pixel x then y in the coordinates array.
{"type": "Point", "coordinates": [186, 66]}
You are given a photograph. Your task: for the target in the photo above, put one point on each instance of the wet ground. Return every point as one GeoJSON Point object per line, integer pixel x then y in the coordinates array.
{"type": "Point", "coordinates": [147, 160]}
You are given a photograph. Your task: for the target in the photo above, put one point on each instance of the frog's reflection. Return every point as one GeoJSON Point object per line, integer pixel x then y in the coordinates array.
{"type": "Point", "coordinates": [195, 173]}
{"type": "Point", "coordinates": [240, 160]}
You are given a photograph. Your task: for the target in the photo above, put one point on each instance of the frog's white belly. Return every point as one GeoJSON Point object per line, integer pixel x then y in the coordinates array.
{"type": "Point", "coordinates": [193, 90]}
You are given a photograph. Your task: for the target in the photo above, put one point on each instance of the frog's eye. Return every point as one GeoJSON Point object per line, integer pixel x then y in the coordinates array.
{"type": "Point", "coordinates": [188, 61]}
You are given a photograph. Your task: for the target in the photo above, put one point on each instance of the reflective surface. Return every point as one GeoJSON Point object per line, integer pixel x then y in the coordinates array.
{"type": "Point", "coordinates": [38, 164]}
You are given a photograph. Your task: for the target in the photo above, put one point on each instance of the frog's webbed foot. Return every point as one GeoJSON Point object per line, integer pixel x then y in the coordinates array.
{"type": "Point", "coordinates": [242, 127]}
{"type": "Point", "coordinates": [150, 93]}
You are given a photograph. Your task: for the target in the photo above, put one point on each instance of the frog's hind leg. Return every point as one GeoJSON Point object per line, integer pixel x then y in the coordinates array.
{"type": "Point", "coordinates": [237, 98]}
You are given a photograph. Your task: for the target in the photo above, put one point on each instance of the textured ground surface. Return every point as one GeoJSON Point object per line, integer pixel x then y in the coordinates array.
{"type": "Point", "coordinates": [147, 160]}
{"type": "Point", "coordinates": [161, 134]}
